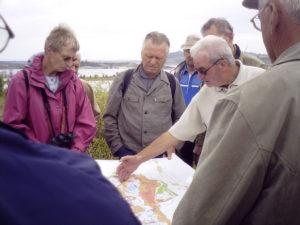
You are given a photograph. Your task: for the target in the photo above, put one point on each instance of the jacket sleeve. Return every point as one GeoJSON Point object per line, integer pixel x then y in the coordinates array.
{"type": "Point", "coordinates": [110, 117]}
{"type": "Point", "coordinates": [230, 174]}
{"type": "Point", "coordinates": [16, 108]}
{"type": "Point", "coordinates": [178, 106]}
{"type": "Point", "coordinates": [85, 124]}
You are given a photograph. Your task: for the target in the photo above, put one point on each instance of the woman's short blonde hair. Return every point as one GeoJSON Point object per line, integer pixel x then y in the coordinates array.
{"type": "Point", "coordinates": [61, 36]}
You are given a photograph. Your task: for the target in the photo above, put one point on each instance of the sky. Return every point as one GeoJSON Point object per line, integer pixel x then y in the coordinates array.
{"type": "Point", "coordinates": [115, 29]}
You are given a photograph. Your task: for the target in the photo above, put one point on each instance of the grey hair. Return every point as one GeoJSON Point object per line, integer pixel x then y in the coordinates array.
{"type": "Point", "coordinates": [61, 36]}
{"type": "Point", "coordinates": [292, 7]}
{"type": "Point", "coordinates": [222, 25]}
{"type": "Point", "coordinates": [216, 48]}
{"type": "Point", "coordinates": [158, 39]}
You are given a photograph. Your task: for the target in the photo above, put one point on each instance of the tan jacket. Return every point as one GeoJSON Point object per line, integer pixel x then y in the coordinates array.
{"type": "Point", "coordinates": [249, 170]}
{"type": "Point", "coordinates": [90, 93]}
{"type": "Point", "coordinates": [139, 117]}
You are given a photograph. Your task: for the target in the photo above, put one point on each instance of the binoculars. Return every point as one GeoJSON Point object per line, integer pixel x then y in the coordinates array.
{"type": "Point", "coordinates": [62, 140]}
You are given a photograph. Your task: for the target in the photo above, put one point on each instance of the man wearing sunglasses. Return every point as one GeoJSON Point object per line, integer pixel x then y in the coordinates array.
{"type": "Point", "coordinates": [216, 66]}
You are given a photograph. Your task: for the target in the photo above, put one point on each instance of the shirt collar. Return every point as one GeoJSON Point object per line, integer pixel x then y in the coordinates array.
{"type": "Point", "coordinates": [238, 80]}
{"type": "Point", "coordinates": [185, 71]}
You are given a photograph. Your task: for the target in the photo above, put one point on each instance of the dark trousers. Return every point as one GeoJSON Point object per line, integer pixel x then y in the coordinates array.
{"type": "Point", "coordinates": [186, 152]}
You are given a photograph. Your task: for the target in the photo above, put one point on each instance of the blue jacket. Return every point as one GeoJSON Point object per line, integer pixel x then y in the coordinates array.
{"type": "Point", "coordinates": [43, 184]}
{"type": "Point", "coordinates": [190, 85]}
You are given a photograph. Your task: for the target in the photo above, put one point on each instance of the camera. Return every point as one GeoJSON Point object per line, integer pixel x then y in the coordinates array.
{"type": "Point", "coordinates": [62, 140]}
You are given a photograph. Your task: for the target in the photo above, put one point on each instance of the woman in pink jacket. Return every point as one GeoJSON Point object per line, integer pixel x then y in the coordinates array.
{"type": "Point", "coordinates": [47, 101]}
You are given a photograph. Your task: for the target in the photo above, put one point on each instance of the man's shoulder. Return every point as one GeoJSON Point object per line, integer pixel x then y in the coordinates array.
{"type": "Point", "coordinates": [252, 60]}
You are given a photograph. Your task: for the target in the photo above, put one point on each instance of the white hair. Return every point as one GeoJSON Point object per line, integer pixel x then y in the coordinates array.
{"type": "Point", "coordinates": [216, 48]}
{"type": "Point", "coordinates": [291, 6]}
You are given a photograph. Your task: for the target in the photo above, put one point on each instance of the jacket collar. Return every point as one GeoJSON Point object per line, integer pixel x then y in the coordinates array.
{"type": "Point", "coordinates": [37, 77]}
{"type": "Point", "coordinates": [290, 54]}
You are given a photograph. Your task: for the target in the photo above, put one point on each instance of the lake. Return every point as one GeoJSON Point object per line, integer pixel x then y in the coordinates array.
{"type": "Point", "coordinates": [83, 71]}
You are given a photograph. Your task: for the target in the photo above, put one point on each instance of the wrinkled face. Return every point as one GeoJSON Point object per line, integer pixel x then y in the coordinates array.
{"type": "Point", "coordinates": [76, 64]}
{"type": "Point", "coordinates": [153, 57]}
{"type": "Point", "coordinates": [188, 58]}
{"type": "Point", "coordinates": [210, 72]}
{"type": "Point", "coordinates": [63, 59]}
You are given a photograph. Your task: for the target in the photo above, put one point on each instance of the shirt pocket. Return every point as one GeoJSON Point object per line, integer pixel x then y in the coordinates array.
{"type": "Point", "coordinates": [162, 99]}
{"type": "Point", "coordinates": [131, 98]}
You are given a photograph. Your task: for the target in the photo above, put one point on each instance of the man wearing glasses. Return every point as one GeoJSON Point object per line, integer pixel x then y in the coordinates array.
{"type": "Point", "coordinates": [44, 184]}
{"type": "Point", "coordinates": [249, 170]}
{"type": "Point", "coordinates": [216, 66]}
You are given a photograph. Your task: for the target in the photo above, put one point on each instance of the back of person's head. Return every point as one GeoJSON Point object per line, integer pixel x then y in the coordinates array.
{"type": "Point", "coordinates": [61, 36]}
{"type": "Point", "coordinates": [222, 25]}
{"type": "Point", "coordinates": [292, 7]}
{"type": "Point", "coordinates": [157, 38]}
{"type": "Point", "coordinates": [76, 63]}
{"type": "Point", "coordinates": [215, 47]}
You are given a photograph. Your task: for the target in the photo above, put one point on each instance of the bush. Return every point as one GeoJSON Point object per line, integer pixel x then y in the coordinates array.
{"type": "Point", "coordinates": [98, 149]}
{"type": "Point", "coordinates": [2, 83]}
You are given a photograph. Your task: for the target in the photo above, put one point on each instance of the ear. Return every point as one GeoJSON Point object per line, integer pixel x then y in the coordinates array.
{"type": "Point", "coordinates": [273, 17]}
{"type": "Point", "coordinates": [230, 37]}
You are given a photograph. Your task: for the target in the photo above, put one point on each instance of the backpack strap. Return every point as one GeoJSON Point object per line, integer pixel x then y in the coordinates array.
{"type": "Point", "coordinates": [25, 74]}
{"type": "Point", "coordinates": [172, 81]}
{"type": "Point", "coordinates": [126, 81]}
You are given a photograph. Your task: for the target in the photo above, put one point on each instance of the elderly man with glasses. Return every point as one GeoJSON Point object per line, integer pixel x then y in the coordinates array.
{"type": "Point", "coordinates": [216, 66]}
{"type": "Point", "coordinates": [249, 170]}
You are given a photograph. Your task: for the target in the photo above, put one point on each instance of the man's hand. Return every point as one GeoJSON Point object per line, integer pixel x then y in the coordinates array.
{"type": "Point", "coordinates": [170, 151]}
{"type": "Point", "coordinates": [128, 165]}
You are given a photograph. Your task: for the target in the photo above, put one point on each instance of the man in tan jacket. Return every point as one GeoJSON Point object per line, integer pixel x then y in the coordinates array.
{"type": "Point", "coordinates": [151, 102]}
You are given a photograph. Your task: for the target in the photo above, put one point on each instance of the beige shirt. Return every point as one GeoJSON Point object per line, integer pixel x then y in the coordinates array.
{"type": "Point", "coordinates": [195, 118]}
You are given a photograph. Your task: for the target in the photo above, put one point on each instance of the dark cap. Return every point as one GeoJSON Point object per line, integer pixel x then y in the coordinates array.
{"type": "Point", "coordinates": [251, 4]}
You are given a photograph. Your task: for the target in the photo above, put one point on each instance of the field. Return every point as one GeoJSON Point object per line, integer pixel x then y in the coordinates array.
{"type": "Point", "coordinates": [98, 148]}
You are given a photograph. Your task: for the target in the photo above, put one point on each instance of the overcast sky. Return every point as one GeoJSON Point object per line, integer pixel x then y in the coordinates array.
{"type": "Point", "coordinates": [115, 29]}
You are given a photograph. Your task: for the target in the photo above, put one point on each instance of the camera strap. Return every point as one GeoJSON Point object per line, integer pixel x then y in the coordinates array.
{"type": "Point", "coordinates": [47, 107]}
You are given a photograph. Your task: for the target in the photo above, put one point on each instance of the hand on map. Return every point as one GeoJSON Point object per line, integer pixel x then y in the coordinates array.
{"type": "Point", "coordinates": [170, 151]}
{"type": "Point", "coordinates": [128, 165]}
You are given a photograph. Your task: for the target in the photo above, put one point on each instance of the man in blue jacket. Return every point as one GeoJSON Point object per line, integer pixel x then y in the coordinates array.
{"type": "Point", "coordinates": [44, 184]}
{"type": "Point", "coordinates": [190, 84]}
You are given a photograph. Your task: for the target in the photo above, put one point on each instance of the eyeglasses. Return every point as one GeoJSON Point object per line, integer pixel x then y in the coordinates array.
{"type": "Point", "coordinates": [5, 34]}
{"type": "Point", "coordinates": [204, 71]}
{"type": "Point", "coordinates": [256, 22]}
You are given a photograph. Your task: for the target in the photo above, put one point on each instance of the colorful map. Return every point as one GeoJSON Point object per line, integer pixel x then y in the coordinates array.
{"type": "Point", "coordinates": [155, 189]}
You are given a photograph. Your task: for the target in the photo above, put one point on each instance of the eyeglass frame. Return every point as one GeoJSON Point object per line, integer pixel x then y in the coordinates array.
{"type": "Point", "coordinates": [256, 16]}
{"type": "Point", "coordinates": [204, 72]}
{"type": "Point", "coordinates": [254, 23]}
{"type": "Point", "coordinates": [9, 31]}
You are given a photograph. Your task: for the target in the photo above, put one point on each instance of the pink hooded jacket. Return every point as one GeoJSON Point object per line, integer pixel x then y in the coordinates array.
{"type": "Point", "coordinates": [24, 109]}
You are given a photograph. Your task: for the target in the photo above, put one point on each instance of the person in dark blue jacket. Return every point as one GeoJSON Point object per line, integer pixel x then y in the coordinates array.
{"type": "Point", "coordinates": [44, 184]}
{"type": "Point", "coordinates": [190, 84]}
{"type": "Point", "coordinates": [47, 185]}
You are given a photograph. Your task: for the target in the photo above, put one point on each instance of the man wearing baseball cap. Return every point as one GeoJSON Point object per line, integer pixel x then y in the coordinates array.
{"type": "Point", "coordinates": [249, 170]}
{"type": "Point", "coordinates": [190, 84]}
